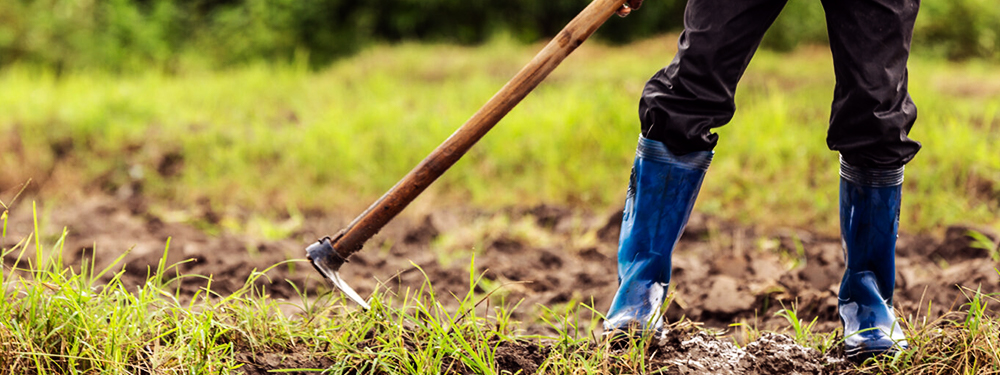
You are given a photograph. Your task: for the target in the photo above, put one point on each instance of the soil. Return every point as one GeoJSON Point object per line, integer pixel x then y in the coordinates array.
{"type": "Point", "coordinates": [261, 363]}
{"type": "Point", "coordinates": [771, 353]}
{"type": "Point", "coordinates": [723, 273]}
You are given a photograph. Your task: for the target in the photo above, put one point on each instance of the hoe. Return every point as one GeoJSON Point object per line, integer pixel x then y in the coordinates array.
{"type": "Point", "coordinates": [330, 253]}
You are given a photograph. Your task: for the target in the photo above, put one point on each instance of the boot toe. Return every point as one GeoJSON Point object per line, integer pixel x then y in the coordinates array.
{"type": "Point", "coordinates": [868, 346]}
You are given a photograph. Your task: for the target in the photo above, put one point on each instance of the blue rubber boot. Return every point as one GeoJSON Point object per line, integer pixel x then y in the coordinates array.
{"type": "Point", "coordinates": [869, 221]}
{"type": "Point", "coordinates": [661, 193]}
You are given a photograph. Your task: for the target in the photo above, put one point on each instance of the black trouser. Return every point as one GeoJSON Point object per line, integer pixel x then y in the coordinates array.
{"type": "Point", "coordinates": [872, 112]}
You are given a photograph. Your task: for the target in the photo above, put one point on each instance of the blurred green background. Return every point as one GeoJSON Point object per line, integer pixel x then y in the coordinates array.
{"type": "Point", "coordinates": [225, 113]}
{"type": "Point", "coordinates": [131, 35]}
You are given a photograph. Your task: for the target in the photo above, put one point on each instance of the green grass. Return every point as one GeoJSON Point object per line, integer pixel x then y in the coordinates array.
{"type": "Point", "coordinates": [275, 140]}
{"type": "Point", "coordinates": [264, 141]}
{"type": "Point", "coordinates": [59, 321]}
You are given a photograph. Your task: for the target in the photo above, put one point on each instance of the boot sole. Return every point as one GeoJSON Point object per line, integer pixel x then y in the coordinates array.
{"type": "Point", "coordinates": [859, 355]}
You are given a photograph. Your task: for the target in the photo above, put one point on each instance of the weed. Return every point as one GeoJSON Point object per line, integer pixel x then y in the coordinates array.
{"type": "Point", "coordinates": [981, 241]}
{"type": "Point", "coordinates": [961, 342]}
{"type": "Point", "coordinates": [804, 333]}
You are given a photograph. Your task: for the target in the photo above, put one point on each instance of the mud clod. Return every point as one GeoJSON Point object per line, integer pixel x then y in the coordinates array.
{"type": "Point", "coordinates": [701, 353]}
{"type": "Point", "coordinates": [422, 234]}
{"type": "Point", "coordinates": [725, 296]}
{"type": "Point", "coordinates": [549, 216]}
{"type": "Point", "coordinates": [522, 357]}
{"type": "Point", "coordinates": [550, 261]}
{"type": "Point", "coordinates": [959, 245]}
{"type": "Point", "coordinates": [612, 227]}
{"type": "Point", "coordinates": [264, 362]}
{"type": "Point", "coordinates": [171, 164]}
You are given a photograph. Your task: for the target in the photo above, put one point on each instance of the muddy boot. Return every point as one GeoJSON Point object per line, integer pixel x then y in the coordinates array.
{"type": "Point", "coordinates": [869, 220]}
{"type": "Point", "coordinates": [661, 193]}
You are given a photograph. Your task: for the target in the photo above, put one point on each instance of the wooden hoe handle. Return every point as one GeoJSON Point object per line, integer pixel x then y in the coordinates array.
{"type": "Point", "coordinates": [351, 239]}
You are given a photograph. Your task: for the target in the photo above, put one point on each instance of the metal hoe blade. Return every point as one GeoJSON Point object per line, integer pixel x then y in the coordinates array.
{"type": "Point", "coordinates": [324, 257]}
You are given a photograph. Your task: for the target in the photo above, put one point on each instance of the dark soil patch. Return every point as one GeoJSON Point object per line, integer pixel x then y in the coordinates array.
{"type": "Point", "coordinates": [520, 357]}
{"type": "Point", "coordinates": [263, 362]}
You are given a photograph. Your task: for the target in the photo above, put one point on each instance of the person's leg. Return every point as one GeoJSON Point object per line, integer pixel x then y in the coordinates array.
{"type": "Point", "coordinates": [872, 112]}
{"type": "Point", "coordinates": [679, 106]}
{"type": "Point", "coordinates": [871, 118]}
{"type": "Point", "coordinates": [684, 101]}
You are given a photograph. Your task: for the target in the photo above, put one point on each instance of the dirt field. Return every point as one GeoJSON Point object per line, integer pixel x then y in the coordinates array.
{"type": "Point", "coordinates": [547, 255]}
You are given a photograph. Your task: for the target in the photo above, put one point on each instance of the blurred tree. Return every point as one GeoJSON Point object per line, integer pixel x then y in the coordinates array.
{"type": "Point", "coordinates": [960, 29]}
{"type": "Point", "coordinates": [128, 35]}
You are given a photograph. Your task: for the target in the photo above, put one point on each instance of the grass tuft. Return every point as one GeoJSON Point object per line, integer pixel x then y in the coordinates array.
{"type": "Point", "coordinates": [961, 342]}
{"type": "Point", "coordinates": [58, 321]}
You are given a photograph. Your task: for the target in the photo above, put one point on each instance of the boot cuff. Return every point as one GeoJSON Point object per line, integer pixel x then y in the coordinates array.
{"type": "Point", "coordinates": [655, 150]}
{"type": "Point", "coordinates": [871, 177]}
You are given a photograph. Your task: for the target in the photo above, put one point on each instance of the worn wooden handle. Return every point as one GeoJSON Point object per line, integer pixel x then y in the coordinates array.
{"type": "Point", "coordinates": [351, 239]}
